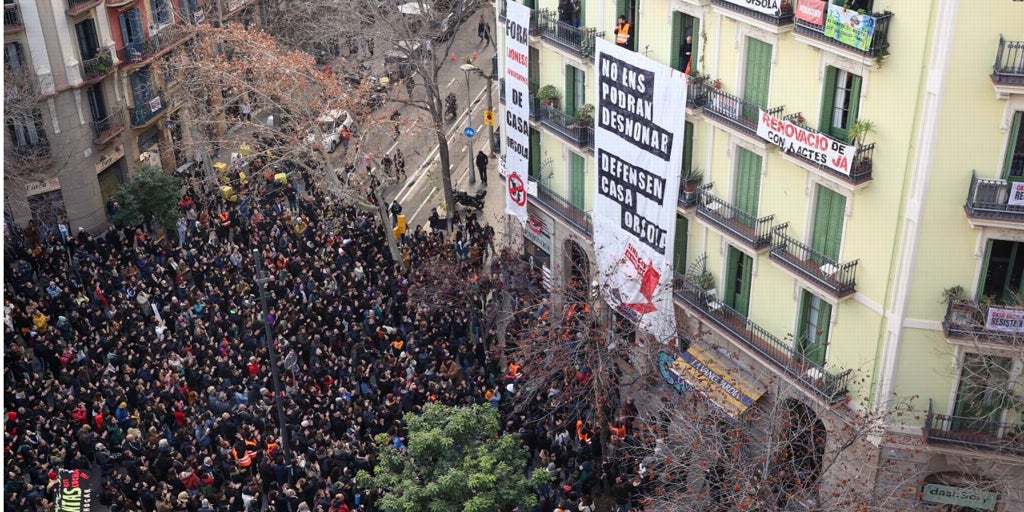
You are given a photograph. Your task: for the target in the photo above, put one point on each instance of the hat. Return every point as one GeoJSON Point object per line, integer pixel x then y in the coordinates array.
{"type": "Point", "coordinates": [52, 475]}
{"type": "Point", "coordinates": [489, 394]}
{"type": "Point", "coordinates": [183, 496]}
{"type": "Point", "coordinates": [552, 468]}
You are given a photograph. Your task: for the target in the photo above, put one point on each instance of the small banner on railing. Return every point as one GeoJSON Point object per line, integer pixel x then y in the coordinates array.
{"type": "Point", "coordinates": [1005, 320]}
{"type": "Point", "coordinates": [850, 27]}
{"type": "Point", "coordinates": [1016, 194]}
{"type": "Point", "coordinates": [797, 140]}
{"type": "Point", "coordinates": [811, 11]}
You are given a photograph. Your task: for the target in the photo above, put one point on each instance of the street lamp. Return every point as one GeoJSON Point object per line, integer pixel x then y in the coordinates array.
{"type": "Point", "coordinates": [466, 68]}
{"type": "Point", "coordinates": [275, 374]}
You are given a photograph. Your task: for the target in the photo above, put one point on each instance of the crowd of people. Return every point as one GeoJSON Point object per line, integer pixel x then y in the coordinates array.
{"type": "Point", "coordinates": [145, 360]}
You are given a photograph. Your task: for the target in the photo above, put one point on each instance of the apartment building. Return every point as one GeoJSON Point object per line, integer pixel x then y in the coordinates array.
{"type": "Point", "coordinates": [105, 100]}
{"type": "Point", "coordinates": [878, 274]}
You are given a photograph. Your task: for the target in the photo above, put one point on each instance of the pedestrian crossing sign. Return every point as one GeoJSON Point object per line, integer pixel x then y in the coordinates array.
{"type": "Point", "coordinates": [489, 118]}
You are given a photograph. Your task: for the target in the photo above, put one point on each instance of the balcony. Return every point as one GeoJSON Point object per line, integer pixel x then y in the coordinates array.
{"type": "Point", "coordinates": [688, 199]}
{"type": "Point", "coordinates": [776, 21]}
{"type": "Point", "coordinates": [696, 91]}
{"type": "Point", "coordinates": [31, 156]}
{"type": "Point", "coordinates": [810, 266]}
{"type": "Point", "coordinates": [832, 387]}
{"type": "Point", "coordinates": [94, 69]}
{"type": "Point", "coordinates": [865, 42]}
{"type": "Point", "coordinates": [144, 112]}
{"type": "Point", "coordinates": [118, 3]}
{"type": "Point", "coordinates": [969, 323]}
{"type": "Point", "coordinates": [1008, 70]}
{"type": "Point", "coordinates": [561, 207]}
{"type": "Point", "coordinates": [138, 54]}
{"type": "Point", "coordinates": [569, 128]}
{"type": "Point", "coordinates": [534, 24]}
{"type": "Point", "coordinates": [78, 7]}
{"type": "Point", "coordinates": [105, 130]}
{"type": "Point", "coordinates": [994, 203]}
{"type": "Point", "coordinates": [860, 167]}
{"type": "Point", "coordinates": [579, 41]}
{"type": "Point", "coordinates": [973, 433]}
{"type": "Point", "coordinates": [734, 113]}
{"type": "Point", "coordinates": [755, 233]}
{"type": "Point", "coordinates": [535, 111]}
{"type": "Point", "coordinates": [12, 19]}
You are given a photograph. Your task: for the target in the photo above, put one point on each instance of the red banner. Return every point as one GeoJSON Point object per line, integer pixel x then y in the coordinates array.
{"type": "Point", "coordinates": [811, 11]}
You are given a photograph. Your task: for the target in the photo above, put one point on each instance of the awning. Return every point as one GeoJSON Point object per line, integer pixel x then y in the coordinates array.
{"type": "Point", "coordinates": [724, 383]}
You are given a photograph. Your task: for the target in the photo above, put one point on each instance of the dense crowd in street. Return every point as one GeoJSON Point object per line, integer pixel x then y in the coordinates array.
{"type": "Point", "coordinates": [145, 360]}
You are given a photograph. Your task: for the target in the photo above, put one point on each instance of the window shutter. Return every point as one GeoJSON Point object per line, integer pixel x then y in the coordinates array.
{"type": "Point", "coordinates": [828, 97]}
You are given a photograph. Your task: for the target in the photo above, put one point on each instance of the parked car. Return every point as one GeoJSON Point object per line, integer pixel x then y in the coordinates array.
{"type": "Point", "coordinates": [327, 134]}
{"type": "Point", "coordinates": [441, 28]}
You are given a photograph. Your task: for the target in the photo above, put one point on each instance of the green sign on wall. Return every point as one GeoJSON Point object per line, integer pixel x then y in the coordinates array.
{"type": "Point", "coordinates": [949, 495]}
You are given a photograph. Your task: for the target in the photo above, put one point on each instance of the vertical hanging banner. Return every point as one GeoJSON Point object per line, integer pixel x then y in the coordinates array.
{"type": "Point", "coordinates": [516, 125]}
{"type": "Point", "coordinates": [638, 141]}
{"type": "Point", "coordinates": [77, 487]}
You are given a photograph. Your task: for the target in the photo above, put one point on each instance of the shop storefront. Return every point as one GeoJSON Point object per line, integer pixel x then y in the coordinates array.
{"type": "Point", "coordinates": [538, 248]}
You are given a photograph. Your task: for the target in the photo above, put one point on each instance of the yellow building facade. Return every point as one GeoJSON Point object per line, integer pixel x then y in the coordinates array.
{"type": "Point", "coordinates": [879, 275]}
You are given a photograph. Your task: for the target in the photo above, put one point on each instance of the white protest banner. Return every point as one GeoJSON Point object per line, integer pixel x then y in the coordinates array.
{"type": "Point", "coordinates": [797, 140]}
{"type": "Point", "coordinates": [1005, 320]}
{"type": "Point", "coordinates": [770, 7]}
{"type": "Point", "coordinates": [516, 125]}
{"type": "Point", "coordinates": [1016, 193]}
{"type": "Point", "coordinates": [639, 150]}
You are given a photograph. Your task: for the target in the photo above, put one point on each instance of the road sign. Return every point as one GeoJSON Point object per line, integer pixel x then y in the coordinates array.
{"type": "Point", "coordinates": [489, 118]}
{"type": "Point", "coordinates": [469, 132]}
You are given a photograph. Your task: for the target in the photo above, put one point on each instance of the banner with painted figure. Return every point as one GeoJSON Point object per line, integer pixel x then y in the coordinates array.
{"type": "Point", "coordinates": [850, 27]}
{"type": "Point", "coordinates": [516, 125]}
{"type": "Point", "coordinates": [77, 488]}
{"type": "Point", "coordinates": [638, 142]}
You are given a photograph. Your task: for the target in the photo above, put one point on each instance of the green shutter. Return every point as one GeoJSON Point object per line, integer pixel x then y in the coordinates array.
{"type": "Point", "coordinates": [757, 73]}
{"type": "Point", "coordinates": [679, 256]}
{"type": "Point", "coordinates": [578, 182]}
{"type": "Point", "coordinates": [1012, 143]}
{"type": "Point", "coordinates": [829, 213]}
{"type": "Point", "coordinates": [582, 13]}
{"type": "Point", "coordinates": [688, 147]}
{"type": "Point", "coordinates": [854, 101]}
{"type": "Point", "coordinates": [678, 33]}
{"type": "Point", "coordinates": [695, 33]}
{"type": "Point", "coordinates": [978, 406]}
{"type": "Point", "coordinates": [828, 98]}
{"type": "Point", "coordinates": [535, 155]}
{"type": "Point", "coordinates": [815, 319]}
{"type": "Point", "coordinates": [982, 287]}
{"type": "Point", "coordinates": [748, 181]}
{"type": "Point", "coordinates": [570, 90]}
{"type": "Point", "coordinates": [737, 281]}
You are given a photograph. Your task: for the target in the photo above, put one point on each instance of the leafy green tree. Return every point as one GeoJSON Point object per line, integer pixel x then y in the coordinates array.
{"type": "Point", "coordinates": [151, 196]}
{"type": "Point", "coordinates": [455, 461]}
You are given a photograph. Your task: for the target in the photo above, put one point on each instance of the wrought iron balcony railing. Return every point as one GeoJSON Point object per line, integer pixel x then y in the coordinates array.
{"type": "Point", "coordinates": [12, 18]}
{"type": "Point", "coordinates": [860, 167]}
{"type": "Point", "coordinates": [535, 110]}
{"type": "Point", "coordinates": [993, 199]}
{"type": "Point", "coordinates": [734, 111]}
{"type": "Point", "coordinates": [873, 43]}
{"type": "Point", "coordinates": [974, 433]}
{"type": "Point", "coordinates": [970, 322]}
{"type": "Point", "coordinates": [579, 132]}
{"type": "Point", "coordinates": [688, 198]}
{"type": "Point", "coordinates": [830, 386]}
{"type": "Point", "coordinates": [104, 130]}
{"type": "Point", "coordinates": [1009, 66]}
{"type": "Point", "coordinates": [562, 207]}
{"type": "Point", "coordinates": [837, 278]}
{"type": "Point", "coordinates": [138, 53]}
{"type": "Point", "coordinates": [696, 91]}
{"type": "Point", "coordinates": [578, 40]}
{"type": "Point", "coordinates": [144, 111]}
{"type": "Point", "coordinates": [97, 67]}
{"type": "Point", "coordinates": [753, 231]}
{"type": "Point", "coordinates": [782, 17]}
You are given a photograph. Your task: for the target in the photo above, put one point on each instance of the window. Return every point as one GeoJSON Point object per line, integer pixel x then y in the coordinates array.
{"type": "Point", "coordinates": [14, 57]}
{"type": "Point", "coordinates": [98, 107]}
{"type": "Point", "coordinates": [755, 77]}
{"type": "Point", "coordinates": [26, 130]}
{"type": "Point", "coordinates": [737, 281]}
{"type": "Point", "coordinates": [748, 182]}
{"type": "Point", "coordinates": [142, 87]}
{"type": "Point", "coordinates": [1003, 273]}
{"type": "Point", "coordinates": [685, 33]}
{"type": "Point", "coordinates": [577, 181]}
{"type": "Point", "coordinates": [812, 334]}
{"type": "Point", "coordinates": [840, 103]}
{"type": "Point", "coordinates": [629, 8]}
{"type": "Point", "coordinates": [983, 393]}
{"type": "Point", "coordinates": [829, 214]}
{"type": "Point", "coordinates": [575, 89]}
{"type": "Point", "coordinates": [679, 256]}
{"type": "Point", "coordinates": [131, 33]}
{"type": "Point", "coordinates": [161, 12]}
{"type": "Point", "coordinates": [1013, 162]}
{"type": "Point", "coordinates": [88, 43]}
{"type": "Point", "coordinates": [535, 170]}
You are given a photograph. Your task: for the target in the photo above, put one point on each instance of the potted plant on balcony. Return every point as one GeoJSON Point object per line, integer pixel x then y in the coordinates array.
{"type": "Point", "coordinates": [549, 94]}
{"type": "Point", "coordinates": [859, 130]}
{"type": "Point", "coordinates": [585, 114]}
{"type": "Point", "coordinates": [691, 179]}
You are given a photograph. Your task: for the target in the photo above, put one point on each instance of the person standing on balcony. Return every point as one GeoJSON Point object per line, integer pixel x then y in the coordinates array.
{"type": "Point", "coordinates": [686, 54]}
{"type": "Point", "coordinates": [624, 33]}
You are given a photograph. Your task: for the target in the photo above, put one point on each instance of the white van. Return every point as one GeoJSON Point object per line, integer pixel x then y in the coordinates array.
{"type": "Point", "coordinates": [327, 134]}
